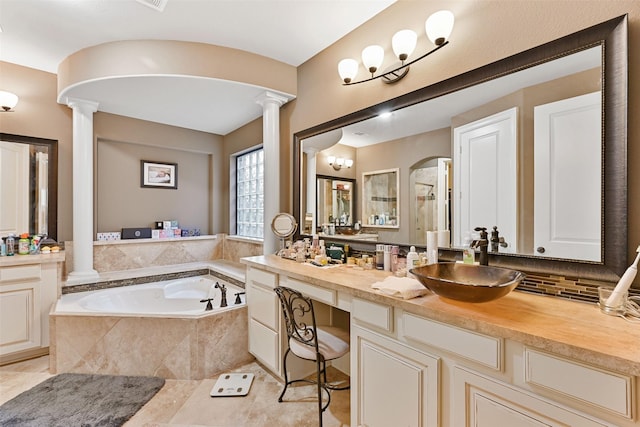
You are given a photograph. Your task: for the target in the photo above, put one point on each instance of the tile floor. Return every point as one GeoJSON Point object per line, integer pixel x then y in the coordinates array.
{"type": "Point", "coordinates": [187, 402]}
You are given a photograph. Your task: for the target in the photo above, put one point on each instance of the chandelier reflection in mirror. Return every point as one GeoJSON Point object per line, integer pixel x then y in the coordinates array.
{"type": "Point", "coordinates": [438, 28]}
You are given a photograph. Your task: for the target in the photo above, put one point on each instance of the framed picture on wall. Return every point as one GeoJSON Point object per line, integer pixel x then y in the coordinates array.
{"type": "Point", "coordinates": [158, 174]}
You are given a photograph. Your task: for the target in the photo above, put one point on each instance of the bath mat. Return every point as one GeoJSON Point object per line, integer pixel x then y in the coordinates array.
{"type": "Point", "coordinates": [80, 400]}
{"type": "Point", "coordinates": [236, 384]}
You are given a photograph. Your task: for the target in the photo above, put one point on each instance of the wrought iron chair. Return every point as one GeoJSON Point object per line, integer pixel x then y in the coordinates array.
{"type": "Point", "coordinates": [311, 342]}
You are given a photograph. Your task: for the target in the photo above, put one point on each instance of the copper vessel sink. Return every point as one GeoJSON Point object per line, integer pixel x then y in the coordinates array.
{"type": "Point", "coordinates": [468, 283]}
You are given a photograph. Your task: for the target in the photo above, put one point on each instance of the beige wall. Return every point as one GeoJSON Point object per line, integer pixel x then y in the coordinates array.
{"type": "Point", "coordinates": [121, 143]}
{"type": "Point", "coordinates": [485, 31]}
{"type": "Point", "coordinates": [39, 115]}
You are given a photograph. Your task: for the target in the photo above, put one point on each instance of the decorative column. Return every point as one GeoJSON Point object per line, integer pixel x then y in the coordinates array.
{"type": "Point", "coordinates": [310, 157]}
{"type": "Point", "coordinates": [82, 190]}
{"type": "Point", "coordinates": [271, 103]}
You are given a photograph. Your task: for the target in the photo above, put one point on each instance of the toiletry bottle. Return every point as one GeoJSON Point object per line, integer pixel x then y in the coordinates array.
{"type": "Point", "coordinates": [468, 256]}
{"type": "Point", "coordinates": [11, 245]}
{"type": "Point", "coordinates": [23, 244]}
{"type": "Point", "coordinates": [323, 255]}
{"type": "Point", "coordinates": [379, 257]}
{"type": "Point", "coordinates": [3, 247]}
{"type": "Point", "coordinates": [387, 257]}
{"type": "Point", "coordinates": [394, 258]}
{"type": "Point", "coordinates": [413, 260]}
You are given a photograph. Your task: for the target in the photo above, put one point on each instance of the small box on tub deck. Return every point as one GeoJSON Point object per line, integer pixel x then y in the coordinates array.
{"type": "Point", "coordinates": [136, 233]}
{"type": "Point", "coordinates": [112, 235]}
{"type": "Point", "coordinates": [190, 232]}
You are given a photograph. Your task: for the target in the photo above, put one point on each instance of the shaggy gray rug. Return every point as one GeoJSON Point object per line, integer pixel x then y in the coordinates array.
{"type": "Point", "coordinates": [80, 400]}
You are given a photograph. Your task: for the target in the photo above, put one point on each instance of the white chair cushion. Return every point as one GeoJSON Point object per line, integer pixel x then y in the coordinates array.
{"type": "Point", "coordinates": [332, 343]}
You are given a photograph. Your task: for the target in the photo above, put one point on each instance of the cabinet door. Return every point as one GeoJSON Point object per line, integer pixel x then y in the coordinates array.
{"type": "Point", "coordinates": [480, 401]}
{"type": "Point", "coordinates": [19, 317]}
{"type": "Point", "coordinates": [392, 384]}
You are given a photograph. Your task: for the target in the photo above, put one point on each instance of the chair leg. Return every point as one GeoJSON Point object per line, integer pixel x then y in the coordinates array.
{"type": "Point", "coordinates": [286, 378]}
{"type": "Point", "coordinates": [320, 387]}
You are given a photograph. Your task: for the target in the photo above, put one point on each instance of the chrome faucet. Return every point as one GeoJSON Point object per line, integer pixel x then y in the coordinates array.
{"type": "Point", "coordinates": [482, 243]}
{"type": "Point", "coordinates": [496, 240]}
{"type": "Point", "coordinates": [223, 291]}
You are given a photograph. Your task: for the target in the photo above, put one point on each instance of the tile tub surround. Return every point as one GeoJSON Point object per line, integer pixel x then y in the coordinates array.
{"type": "Point", "coordinates": [142, 253]}
{"type": "Point", "coordinates": [176, 348]}
{"type": "Point", "coordinates": [230, 271]}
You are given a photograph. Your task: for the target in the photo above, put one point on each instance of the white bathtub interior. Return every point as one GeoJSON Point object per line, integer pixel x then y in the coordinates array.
{"type": "Point", "coordinates": [172, 297]}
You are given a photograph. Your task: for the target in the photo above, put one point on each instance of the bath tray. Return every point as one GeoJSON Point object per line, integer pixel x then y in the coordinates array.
{"type": "Point", "coordinates": [236, 384]}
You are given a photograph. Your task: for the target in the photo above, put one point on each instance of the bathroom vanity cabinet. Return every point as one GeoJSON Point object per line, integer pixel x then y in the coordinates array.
{"type": "Point", "coordinates": [522, 360]}
{"type": "Point", "coordinates": [29, 285]}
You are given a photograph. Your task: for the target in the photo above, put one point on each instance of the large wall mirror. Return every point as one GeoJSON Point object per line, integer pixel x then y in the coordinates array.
{"type": "Point", "coordinates": [513, 144]}
{"type": "Point", "coordinates": [28, 185]}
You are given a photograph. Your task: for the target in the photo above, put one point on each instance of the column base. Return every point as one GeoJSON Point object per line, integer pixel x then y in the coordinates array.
{"type": "Point", "coordinates": [79, 277]}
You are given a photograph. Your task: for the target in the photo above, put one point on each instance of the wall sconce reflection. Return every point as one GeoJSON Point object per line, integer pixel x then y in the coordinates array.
{"type": "Point", "coordinates": [339, 162]}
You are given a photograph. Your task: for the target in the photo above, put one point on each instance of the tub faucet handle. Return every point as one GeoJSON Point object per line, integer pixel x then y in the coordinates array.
{"type": "Point", "coordinates": [238, 300]}
{"type": "Point", "coordinates": [209, 306]}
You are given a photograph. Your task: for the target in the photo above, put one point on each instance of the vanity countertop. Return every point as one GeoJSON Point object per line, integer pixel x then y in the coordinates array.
{"type": "Point", "coordinates": [573, 329]}
{"type": "Point", "coordinates": [9, 261]}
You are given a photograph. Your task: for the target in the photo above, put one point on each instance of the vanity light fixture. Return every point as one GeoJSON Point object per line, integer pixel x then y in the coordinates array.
{"type": "Point", "coordinates": [8, 101]}
{"type": "Point", "coordinates": [438, 28]}
{"type": "Point", "coordinates": [339, 162]}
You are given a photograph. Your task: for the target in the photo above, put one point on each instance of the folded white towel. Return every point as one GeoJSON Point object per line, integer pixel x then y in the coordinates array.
{"type": "Point", "coordinates": [403, 287]}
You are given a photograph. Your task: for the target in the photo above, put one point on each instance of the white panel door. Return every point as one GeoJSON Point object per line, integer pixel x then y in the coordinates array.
{"type": "Point", "coordinates": [14, 193]}
{"type": "Point", "coordinates": [484, 177]}
{"type": "Point", "coordinates": [568, 192]}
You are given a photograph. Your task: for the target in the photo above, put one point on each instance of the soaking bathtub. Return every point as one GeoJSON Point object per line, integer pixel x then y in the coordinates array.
{"type": "Point", "coordinates": [160, 329]}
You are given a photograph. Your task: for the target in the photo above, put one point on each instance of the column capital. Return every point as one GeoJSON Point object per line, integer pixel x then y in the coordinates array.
{"type": "Point", "coordinates": [82, 104]}
{"type": "Point", "coordinates": [269, 97]}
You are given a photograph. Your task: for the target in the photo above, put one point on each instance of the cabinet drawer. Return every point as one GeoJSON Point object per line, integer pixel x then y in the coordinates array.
{"type": "Point", "coordinates": [605, 389]}
{"type": "Point", "coordinates": [317, 293]}
{"type": "Point", "coordinates": [262, 277]}
{"type": "Point", "coordinates": [479, 348]}
{"type": "Point", "coordinates": [263, 305]}
{"type": "Point", "coordinates": [21, 272]}
{"type": "Point", "coordinates": [375, 314]}
{"type": "Point", "coordinates": [264, 345]}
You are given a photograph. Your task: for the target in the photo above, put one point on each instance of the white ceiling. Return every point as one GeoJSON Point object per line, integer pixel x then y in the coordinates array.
{"type": "Point", "coordinates": [41, 33]}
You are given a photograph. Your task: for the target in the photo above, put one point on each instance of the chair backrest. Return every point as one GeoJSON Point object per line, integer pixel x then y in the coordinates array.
{"type": "Point", "coordinates": [299, 317]}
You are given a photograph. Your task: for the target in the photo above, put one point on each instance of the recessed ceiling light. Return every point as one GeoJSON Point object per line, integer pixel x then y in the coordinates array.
{"type": "Point", "coordinates": [385, 115]}
{"type": "Point", "coordinates": [154, 4]}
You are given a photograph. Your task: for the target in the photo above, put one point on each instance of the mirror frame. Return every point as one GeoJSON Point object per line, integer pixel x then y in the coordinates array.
{"type": "Point", "coordinates": [353, 195]}
{"type": "Point", "coordinates": [612, 36]}
{"type": "Point", "coordinates": [52, 144]}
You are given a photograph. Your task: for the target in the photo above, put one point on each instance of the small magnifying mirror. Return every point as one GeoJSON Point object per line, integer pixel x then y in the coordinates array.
{"type": "Point", "coordinates": [283, 226]}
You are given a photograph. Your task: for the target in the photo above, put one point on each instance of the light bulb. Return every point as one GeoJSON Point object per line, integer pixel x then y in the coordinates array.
{"type": "Point", "coordinates": [372, 57]}
{"type": "Point", "coordinates": [439, 26]}
{"type": "Point", "coordinates": [8, 100]}
{"type": "Point", "coordinates": [348, 68]}
{"type": "Point", "coordinates": [403, 43]}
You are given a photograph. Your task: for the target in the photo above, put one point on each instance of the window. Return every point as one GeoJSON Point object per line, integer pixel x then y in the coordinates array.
{"type": "Point", "coordinates": [250, 194]}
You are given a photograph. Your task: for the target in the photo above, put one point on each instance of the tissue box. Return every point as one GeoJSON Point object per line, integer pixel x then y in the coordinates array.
{"type": "Point", "coordinates": [112, 235]}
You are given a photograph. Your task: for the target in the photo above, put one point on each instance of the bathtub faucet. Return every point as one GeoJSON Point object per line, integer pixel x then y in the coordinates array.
{"type": "Point", "coordinates": [223, 291]}
{"type": "Point", "coordinates": [209, 306]}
